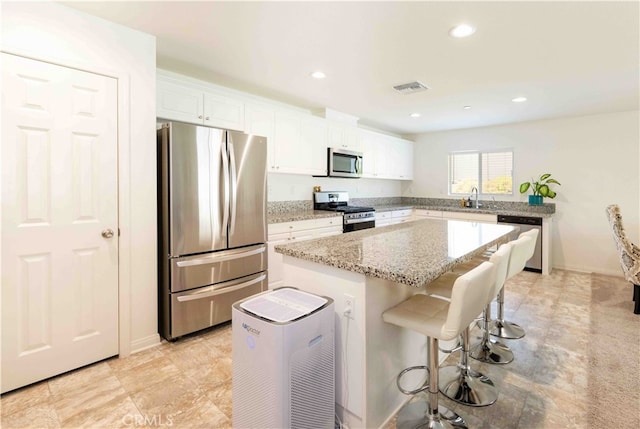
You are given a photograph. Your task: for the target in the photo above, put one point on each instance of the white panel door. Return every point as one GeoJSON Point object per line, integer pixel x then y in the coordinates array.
{"type": "Point", "coordinates": [59, 194]}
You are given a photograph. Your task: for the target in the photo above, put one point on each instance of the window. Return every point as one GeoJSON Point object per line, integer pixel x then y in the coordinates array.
{"type": "Point", "coordinates": [490, 172]}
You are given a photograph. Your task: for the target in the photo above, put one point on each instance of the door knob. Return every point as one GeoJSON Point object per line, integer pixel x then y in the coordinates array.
{"type": "Point", "coordinates": [107, 233]}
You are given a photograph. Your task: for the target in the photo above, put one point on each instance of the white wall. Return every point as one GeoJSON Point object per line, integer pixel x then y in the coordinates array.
{"type": "Point", "coordinates": [594, 157]}
{"type": "Point", "coordinates": [54, 32]}
{"type": "Point", "coordinates": [293, 187]}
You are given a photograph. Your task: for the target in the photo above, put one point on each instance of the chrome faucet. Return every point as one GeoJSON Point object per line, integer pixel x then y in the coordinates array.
{"type": "Point", "coordinates": [474, 189]}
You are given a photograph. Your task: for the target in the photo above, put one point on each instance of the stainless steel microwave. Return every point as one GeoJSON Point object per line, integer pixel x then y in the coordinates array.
{"type": "Point", "coordinates": [344, 163]}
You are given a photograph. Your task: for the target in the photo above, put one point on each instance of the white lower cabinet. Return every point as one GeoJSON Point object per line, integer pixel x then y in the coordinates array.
{"type": "Point", "coordinates": [424, 214]}
{"type": "Point", "coordinates": [438, 214]}
{"type": "Point", "coordinates": [393, 217]}
{"type": "Point", "coordinates": [477, 217]}
{"type": "Point", "coordinates": [383, 219]}
{"type": "Point", "coordinates": [401, 216]}
{"type": "Point", "coordinates": [289, 232]}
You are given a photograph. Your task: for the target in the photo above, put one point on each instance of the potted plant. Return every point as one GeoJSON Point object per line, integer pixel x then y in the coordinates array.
{"type": "Point", "coordinates": [540, 189]}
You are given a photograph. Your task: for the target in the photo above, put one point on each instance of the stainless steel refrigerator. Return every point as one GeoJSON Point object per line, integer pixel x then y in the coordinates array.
{"type": "Point", "coordinates": [211, 224]}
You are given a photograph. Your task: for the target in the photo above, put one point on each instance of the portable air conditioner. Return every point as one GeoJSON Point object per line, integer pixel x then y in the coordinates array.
{"type": "Point", "coordinates": [283, 360]}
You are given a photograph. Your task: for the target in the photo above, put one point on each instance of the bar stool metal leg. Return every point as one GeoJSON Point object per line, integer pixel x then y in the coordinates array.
{"type": "Point", "coordinates": [430, 414]}
{"type": "Point", "coordinates": [465, 385]}
{"type": "Point", "coordinates": [501, 328]}
{"type": "Point", "coordinates": [490, 350]}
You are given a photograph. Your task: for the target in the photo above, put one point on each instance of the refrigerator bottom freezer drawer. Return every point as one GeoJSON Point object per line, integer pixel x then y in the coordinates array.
{"type": "Point", "coordinates": [208, 306]}
{"type": "Point", "coordinates": [190, 272]}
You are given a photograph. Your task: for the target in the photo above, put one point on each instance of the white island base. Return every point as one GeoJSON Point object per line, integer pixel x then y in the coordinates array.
{"type": "Point", "coordinates": [369, 352]}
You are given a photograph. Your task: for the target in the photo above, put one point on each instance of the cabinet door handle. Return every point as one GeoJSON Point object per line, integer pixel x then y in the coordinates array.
{"type": "Point", "coordinates": [199, 116]}
{"type": "Point", "coordinates": [207, 118]}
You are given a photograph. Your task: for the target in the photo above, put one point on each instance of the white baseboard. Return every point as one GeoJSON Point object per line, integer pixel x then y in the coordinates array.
{"type": "Point", "coordinates": [145, 343]}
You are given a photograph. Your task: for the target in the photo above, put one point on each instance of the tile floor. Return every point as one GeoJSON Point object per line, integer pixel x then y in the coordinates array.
{"type": "Point", "coordinates": [187, 384]}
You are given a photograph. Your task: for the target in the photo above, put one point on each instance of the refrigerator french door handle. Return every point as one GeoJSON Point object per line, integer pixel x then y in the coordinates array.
{"type": "Point", "coordinates": [225, 175]}
{"type": "Point", "coordinates": [220, 258]}
{"type": "Point", "coordinates": [220, 291]}
{"type": "Point", "coordinates": [234, 186]}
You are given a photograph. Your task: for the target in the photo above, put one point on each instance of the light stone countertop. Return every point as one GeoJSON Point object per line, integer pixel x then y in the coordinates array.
{"type": "Point", "coordinates": [298, 215]}
{"type": "Point", "coordinates": [306, 214]}
{"type": "Point", "coordinates": [484, 210]}
{"type": "Point", "coordinates": [412, 253]}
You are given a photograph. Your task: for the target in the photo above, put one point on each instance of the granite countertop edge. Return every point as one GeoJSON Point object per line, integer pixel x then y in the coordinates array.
{"type": "Point", "coordinates": [415, 279]}
{"type": "Point", "coordinates": [319, 214]}
{"type": "Point", "coordinates": [481, 210]}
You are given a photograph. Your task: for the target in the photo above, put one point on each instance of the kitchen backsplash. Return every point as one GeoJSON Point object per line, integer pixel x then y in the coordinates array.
{"type": "Point", "coordinates": [283, 207]}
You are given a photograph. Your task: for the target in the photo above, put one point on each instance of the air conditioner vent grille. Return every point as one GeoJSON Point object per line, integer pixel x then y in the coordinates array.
{"type": "Point", "coordinates": [411, 87]}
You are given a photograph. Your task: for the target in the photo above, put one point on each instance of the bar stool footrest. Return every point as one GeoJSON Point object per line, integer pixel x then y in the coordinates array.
{"type": "Point", "coordinates": [425, 385]}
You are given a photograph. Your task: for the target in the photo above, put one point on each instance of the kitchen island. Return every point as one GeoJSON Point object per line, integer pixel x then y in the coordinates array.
{"type": "Point", "coordinates": [367, 272]}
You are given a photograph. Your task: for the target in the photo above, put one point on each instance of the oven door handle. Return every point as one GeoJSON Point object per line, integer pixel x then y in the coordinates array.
{"type": "Point", "coordinates": [359, 220]}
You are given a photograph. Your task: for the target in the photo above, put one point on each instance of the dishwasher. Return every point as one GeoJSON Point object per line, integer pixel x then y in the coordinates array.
{"type": "Point", "coordinates": [525, 223]}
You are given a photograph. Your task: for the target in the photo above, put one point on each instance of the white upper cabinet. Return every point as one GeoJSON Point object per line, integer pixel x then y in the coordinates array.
{"type": "Point", "coordinates": [386, 157]}
{"type": "Point", "coordinates": [344, 136]}
{"type": "Point", "coordinates": [314, 137]}
{"type": "Point", "coordinates": [297, 141]}
{"type": "Point", "coordinates": [373, 154]}
{"type": "Point", "coordinates": [401, 159]}
{"type": "Point", "coordinates": [191, 103]}
{"type": "Point", "coordinates": [291, 156]}
{"type": "Point", "coordinates": [260, 120]}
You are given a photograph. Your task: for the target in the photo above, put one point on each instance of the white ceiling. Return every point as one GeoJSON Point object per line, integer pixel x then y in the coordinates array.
{"type": "Point", "coordinates": [567, 58]}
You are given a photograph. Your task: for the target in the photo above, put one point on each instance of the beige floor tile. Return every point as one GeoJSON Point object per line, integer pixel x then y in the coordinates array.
{"type": "Point", "coordinates": [199, 413]}
{"type": "Point", "coordinates": [119, 412]}
{"type": "Point", "coordinates": [41, 415]}
{"type": "Point", "coordinates": [27, 397]}
{"type": "Point", "coordinates": [221, 395]}
{"type": "Point", "coordinates": [87, 398]}
{"type": "Point", "coordinates": [78, 380]}
{"type": "Point", "coordinates": [149, 373]}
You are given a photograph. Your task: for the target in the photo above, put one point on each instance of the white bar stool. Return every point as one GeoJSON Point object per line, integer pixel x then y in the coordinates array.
{"type": "Point", "coordinates": [460, 382]}
{"type": "Point", "coordinates": [489, 350]}
{"type": "Point", "coordinates": [440, 320]}
{"type": "Point", "coordinates": [500, 327]}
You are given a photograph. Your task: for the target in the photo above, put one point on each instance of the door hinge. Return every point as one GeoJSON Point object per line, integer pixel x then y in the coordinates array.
{"type": "Point", "coordinates": [118, 232]}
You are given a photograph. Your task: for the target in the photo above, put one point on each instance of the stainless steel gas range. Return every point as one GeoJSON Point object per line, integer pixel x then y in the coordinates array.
{"type": "Point", "coordinates": [354, 218]}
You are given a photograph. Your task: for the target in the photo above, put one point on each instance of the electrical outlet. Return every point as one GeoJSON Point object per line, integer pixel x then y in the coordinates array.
{"type": "Point", "coordinates": [349, 306]}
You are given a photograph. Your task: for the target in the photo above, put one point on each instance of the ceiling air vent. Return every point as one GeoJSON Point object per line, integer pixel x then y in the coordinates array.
{"type": "Point", "coordinates": [411, 87]}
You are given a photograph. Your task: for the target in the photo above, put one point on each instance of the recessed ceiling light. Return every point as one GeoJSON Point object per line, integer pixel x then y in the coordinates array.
{"type": "Point", "coordinates": [462, 30]}
{"type": "Point", "coordinates": [318, 75]}
{"type": "Point", "coordinates": [466, 107]}
{"type": "Point", "coordinates": [519, 99]}
{"type": "Point", "coordinates": [415, 115]}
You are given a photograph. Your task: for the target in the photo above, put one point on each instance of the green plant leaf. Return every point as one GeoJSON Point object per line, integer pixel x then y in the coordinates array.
{"type": "Point", "coordinates": [553, 181]}
{"type": "Point", "coordinates": [544, 190]}
{"type": "Point", "coordinates": [551, 194]}
{"type": "Point", "coordinates": [545, 176]}
{"type": "Point", "coordinates": [524, 187]}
